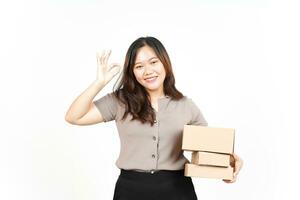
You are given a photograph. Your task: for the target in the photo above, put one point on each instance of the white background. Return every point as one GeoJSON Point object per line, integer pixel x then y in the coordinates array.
{"type": "Point", "coordinates": [237, 60]}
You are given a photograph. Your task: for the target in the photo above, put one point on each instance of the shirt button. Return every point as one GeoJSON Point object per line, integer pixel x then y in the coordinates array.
{"type": "Point", "coordinates": [154, 138]}
{"type": "Point", "coordinates": [153, 156]}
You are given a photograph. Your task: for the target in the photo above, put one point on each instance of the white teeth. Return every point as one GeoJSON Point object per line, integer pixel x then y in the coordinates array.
{"type": "Point", "coordinates": [151, 79]}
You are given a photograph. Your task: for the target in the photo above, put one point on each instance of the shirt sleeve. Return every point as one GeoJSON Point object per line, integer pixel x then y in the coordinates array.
{"type": "Point", "coordinates": [196, 116]}
{"type": "Point", "coordinates": [108, 106]}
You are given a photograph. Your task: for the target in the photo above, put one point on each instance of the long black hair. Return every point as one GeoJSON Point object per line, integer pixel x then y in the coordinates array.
{"type": "Point", "coordinates": [132, 94]}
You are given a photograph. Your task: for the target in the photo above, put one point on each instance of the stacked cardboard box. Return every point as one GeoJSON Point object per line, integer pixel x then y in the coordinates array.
{"type": "Point", "coordinates": [211, 148]}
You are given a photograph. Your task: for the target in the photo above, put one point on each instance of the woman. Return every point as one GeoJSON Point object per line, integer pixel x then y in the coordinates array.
{"type": "Point", "coordinates": [150, 114]}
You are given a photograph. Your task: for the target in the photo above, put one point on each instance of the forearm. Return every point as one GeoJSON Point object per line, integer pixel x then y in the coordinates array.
{"type": "Point", "coordinates": [82, 103]}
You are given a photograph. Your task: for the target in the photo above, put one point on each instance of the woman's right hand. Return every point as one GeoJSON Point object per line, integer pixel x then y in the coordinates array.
{"type": "Point", "coordinates": [106, 72]}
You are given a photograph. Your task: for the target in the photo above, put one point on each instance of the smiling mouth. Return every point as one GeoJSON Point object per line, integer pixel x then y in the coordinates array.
{"type": "Point", "coordinates": [151, 79]}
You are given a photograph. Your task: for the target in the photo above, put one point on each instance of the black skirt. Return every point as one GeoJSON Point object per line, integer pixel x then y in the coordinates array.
{"type": "Point", "coordinates": [160, 185]}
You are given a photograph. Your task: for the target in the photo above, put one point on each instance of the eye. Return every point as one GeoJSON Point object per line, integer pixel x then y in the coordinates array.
{"type": "Point", "coordinates": [154, 61]}
{"type": "Point", "coordinates": [139, 66]}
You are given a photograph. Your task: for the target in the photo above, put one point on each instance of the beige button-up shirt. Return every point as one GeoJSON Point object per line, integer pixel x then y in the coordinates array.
{"type": "Point", "coordinates": [146, 148]}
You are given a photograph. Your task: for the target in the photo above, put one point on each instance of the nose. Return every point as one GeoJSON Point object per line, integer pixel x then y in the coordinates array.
{"type": "Point", "coordinates": [148, 69]}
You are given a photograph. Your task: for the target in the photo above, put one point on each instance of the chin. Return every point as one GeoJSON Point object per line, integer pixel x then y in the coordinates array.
{"type": "Point", "coordinates": [152, 89]}
{"type": "Point", "coordinates": [153, 86]}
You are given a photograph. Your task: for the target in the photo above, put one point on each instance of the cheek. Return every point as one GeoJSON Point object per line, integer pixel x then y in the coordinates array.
{"type": "Point", "coordinates": [162, 70]}
{"type": "Point", "coordinates": [138, 75]}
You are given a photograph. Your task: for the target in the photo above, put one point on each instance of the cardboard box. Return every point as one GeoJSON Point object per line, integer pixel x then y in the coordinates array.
{"type": "Point", "coordinates": [210, 139]}
{"type": "Point", "coordinates": [193, 170]}
{"type": "Point", "coordinates": [208, 158]}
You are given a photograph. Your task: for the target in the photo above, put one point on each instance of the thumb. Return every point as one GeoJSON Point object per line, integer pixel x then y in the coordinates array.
{"type": "Point", "coordinates": [115, 69]}
{"type": "Point", "coordinates": [113, 65]}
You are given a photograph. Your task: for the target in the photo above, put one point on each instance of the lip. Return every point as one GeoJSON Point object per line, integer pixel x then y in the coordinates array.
{"type": "Point", "coordinates": [151, 80]}
{"type": "Point", "coordinates": [150, 77]}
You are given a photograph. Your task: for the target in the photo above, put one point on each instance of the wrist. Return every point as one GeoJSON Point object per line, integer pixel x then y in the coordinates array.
{"type": "Point", "coordinates": [98, 84]}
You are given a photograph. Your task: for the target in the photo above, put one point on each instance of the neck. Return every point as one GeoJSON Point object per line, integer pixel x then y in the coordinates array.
{"type": "Point", "coordinates": [156, 95]}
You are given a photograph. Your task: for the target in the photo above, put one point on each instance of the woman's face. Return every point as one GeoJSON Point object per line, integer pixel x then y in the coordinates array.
{"type": "Point", "coordinates": [148, 70]}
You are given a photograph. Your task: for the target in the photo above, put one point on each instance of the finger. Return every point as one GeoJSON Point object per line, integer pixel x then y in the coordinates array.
{"type": "Point", "coordinates": [235, 156]}
{"type": "Point", "coordinates": [235, 173]}
{"type": "Point", "coordinates": [98, 58]}
{"type": "Point", "coordinates": [239, 165]}
{"type": "Point", "coordinates": [237, 168]}
{"type": "Point", "coordinates": [115, 69]}
{"type": "Point", "coordinates": [238, 158]}
{"type": "Point", "coordinates": [102, 57]}
{"type": "Point", "coordinates": [233, 179]}
{"type": "Point", "coordinates": [107, 56]}
{"type": "Point", "coordinates": [114, 65]}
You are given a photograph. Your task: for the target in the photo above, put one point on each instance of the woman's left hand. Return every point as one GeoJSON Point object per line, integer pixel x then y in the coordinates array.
{"type": "Point", "coordinates": [236, 162]}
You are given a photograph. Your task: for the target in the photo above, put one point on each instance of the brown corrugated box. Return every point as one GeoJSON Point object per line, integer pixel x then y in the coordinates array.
{"type": "Point", "coordinates": [193, 170]}
{"type": "Point", "coordinates": [214, 145]}
{"type": "Point", "coordinates": [208, 158]}
{"type": "Point", "coordinates": [211, 139]}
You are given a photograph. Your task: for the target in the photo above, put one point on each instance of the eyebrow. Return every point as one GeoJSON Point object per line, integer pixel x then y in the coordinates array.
{"type": "Point", "coordinates": [148, 60]}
